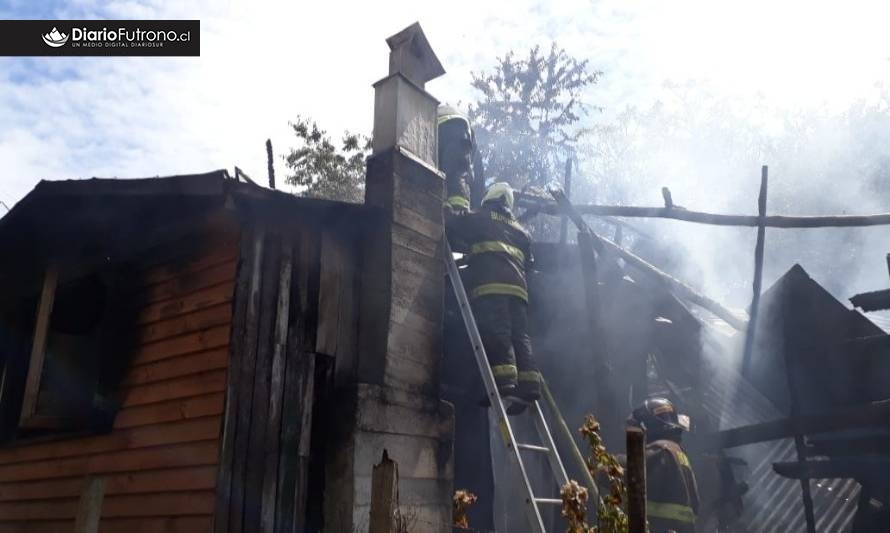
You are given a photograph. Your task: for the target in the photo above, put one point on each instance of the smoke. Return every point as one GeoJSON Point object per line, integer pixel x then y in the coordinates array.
{"type": "Point", "coordinates": [709, 151]}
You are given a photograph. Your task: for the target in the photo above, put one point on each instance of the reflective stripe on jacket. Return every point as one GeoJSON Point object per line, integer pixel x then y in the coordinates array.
{"type": "Point", "coordinates": [670, 511]}
{"type": "Point", "coordinates": [499, 252]}
{"type": "Point", "coordinates": [458, 203]}
{"type": "Point", "coordinates": [672, 494]}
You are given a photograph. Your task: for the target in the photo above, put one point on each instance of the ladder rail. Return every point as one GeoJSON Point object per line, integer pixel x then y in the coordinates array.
{"type": "Point", "coordinates": [559, 471]}
{"type": "Point", "coordinates": [570, 442]}
{"type": "Point", "coordinates": [494, 398]}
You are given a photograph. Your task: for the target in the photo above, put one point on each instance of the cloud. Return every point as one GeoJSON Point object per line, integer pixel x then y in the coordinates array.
{"type": "Point", "coordinates": [264, 62]}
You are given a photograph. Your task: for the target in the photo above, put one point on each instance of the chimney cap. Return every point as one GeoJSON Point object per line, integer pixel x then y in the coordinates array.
{"type": "Point", "coordinates": [412, 56]}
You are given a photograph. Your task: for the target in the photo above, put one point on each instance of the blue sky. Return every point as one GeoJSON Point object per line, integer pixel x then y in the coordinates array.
{"type": "Point", "coordinates": [263, 62]}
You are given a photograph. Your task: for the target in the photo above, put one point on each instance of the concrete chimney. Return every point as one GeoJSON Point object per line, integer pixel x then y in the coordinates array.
{"type": "Point", "coordinates": [394, 404]}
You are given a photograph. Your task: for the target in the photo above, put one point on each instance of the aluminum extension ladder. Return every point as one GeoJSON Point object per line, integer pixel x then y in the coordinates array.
{"type": "Point", "coordinates": [514, 449]}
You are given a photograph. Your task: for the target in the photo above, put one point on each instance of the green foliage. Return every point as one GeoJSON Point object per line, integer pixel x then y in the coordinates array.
{"type": "Point", "coordinates": [526, 118]}
{"type": "Point", "coordinates": [324, 171]}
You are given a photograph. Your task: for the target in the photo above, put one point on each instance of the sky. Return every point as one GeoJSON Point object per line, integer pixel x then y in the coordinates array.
{"type": "Point", "coordinates": [264, 62]}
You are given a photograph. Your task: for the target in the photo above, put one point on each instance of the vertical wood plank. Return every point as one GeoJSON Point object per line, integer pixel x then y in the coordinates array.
{"type": "Point", "coordinates": [245, 386]}
{"type": "Point", "coordinates": [259, 416]}
{"type": "Point", "coordinates": [242, 297]}
{"type": "Point", "coordinates": [304, 449]}
{"type": "Point", "coordinates": [346, 361]}
{"type": "Point", "coordinates": [322, 426]}
{"type": "Point", "coordinates": [384, 496]}
{"type": "Point", "coordinates": [330, 287]}
{"type": "Point", "coordinates": [311, 257]}
{"type": "Point", "coordinates": [38, 347]}
{"type": "Point", "coordinates": [298, 377]}
{"type": "Point", "coordinates": [89, 510]}
{"type": "Point", "coordinates": [276, 388]}
{"type": "Point", "coordinates": [337, 321]}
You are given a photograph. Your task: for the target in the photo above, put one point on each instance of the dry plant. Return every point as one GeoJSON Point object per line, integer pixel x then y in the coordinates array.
{"type": "Point", "coordinates": [460, 502]}
{"type": "Point", "coordinates": [574, 507]}
{"type": "Point", "coordinates": [610, 513]}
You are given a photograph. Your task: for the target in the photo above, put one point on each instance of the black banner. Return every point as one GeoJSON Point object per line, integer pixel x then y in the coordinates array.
{"type": "Point", "coordinates": [100, 38]}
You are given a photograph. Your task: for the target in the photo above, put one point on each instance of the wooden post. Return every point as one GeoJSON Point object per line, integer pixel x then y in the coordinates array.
{"type": "Point", "coordinates": [758, 271]}
{"type": "Point", "coordinates": [89, 510]}
{"type": "Point", "coordinates": [564, 223]}
{"type": "Point", "coordinates": [384, 496]}
{"type": "Point", "coordinates": [668, 198]}
{"type": "Point", "coordinates": [269, 162]}
{"type": "Point", "coordinates": [636, 479]}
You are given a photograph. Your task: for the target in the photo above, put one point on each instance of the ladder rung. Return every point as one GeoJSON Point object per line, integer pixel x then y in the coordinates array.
{"type": "Point", "coordinates": [533, 448]}
{"type": "Point", "coordinates": [549, 501]}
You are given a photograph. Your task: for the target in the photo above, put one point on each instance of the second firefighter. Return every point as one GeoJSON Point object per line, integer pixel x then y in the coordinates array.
{"type": "Point", "coordinates": [499, 251]}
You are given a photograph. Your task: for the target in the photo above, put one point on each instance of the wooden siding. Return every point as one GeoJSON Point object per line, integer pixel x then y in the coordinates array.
{"type": "Point", "coordinates": [160, 462]}
{"type": "Point", "coordinates": [265, 467]}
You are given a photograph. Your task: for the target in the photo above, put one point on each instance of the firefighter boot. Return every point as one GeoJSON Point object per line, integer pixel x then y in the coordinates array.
{"type": "Point", "coordinates": [505, 381]}
{"type": "Point", "coordinates": [529, 388]}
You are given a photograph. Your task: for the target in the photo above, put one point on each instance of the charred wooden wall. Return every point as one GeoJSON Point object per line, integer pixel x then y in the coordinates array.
{"type": "Point", "coordinates": [246, 314]}
{"type": "Point", "coordinates": [294, 316]}
{"type": "Point", "coordinates": [159, 463]}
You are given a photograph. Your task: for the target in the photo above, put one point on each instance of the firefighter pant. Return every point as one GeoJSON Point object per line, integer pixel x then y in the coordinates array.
{"type": "Point", "coordinates": [503, 324]}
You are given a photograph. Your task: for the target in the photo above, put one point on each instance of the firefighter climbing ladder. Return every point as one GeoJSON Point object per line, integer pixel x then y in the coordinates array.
{"type": "Point", "coordinates": [514, 449]}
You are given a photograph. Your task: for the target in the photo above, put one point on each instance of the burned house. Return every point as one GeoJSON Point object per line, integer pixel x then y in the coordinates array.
{"type": "Point", "coordinates": [199, 353]}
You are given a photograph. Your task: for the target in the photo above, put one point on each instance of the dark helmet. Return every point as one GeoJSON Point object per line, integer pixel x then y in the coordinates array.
{"type": "Point", "coordinates": [659, 417]}
{"type": "Point", "coordinates": [456, 139]}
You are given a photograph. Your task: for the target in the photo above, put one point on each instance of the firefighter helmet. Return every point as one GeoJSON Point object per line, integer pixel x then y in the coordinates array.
{"type": "Point", "coordinates": [457, 146]}
{"type": "Point", "coordinates": [446, 112]}
{"type": "Point", "coordinates": [658, 416]}
{"type": "Point", "coordinates": [499, 192]}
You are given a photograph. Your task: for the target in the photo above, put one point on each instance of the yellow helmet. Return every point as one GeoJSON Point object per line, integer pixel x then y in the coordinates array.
{"type": "Point", "coordinates": [499, 192]}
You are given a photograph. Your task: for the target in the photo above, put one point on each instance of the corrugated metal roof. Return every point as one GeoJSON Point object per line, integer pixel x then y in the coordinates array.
{"type": "Point", "coordinates": [772, 503]}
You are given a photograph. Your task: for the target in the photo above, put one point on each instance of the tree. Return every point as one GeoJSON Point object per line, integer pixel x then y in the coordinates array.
{"type": "Point", "coordinates": [526, 118]}
{"type": "Point", "coordinates": [322, 170]}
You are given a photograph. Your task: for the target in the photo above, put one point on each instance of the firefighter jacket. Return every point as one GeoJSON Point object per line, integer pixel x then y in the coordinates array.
{"type": "Point", "coordinates": [671, 492]}
{"type": "Point", "coordinates": [499, 251]}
